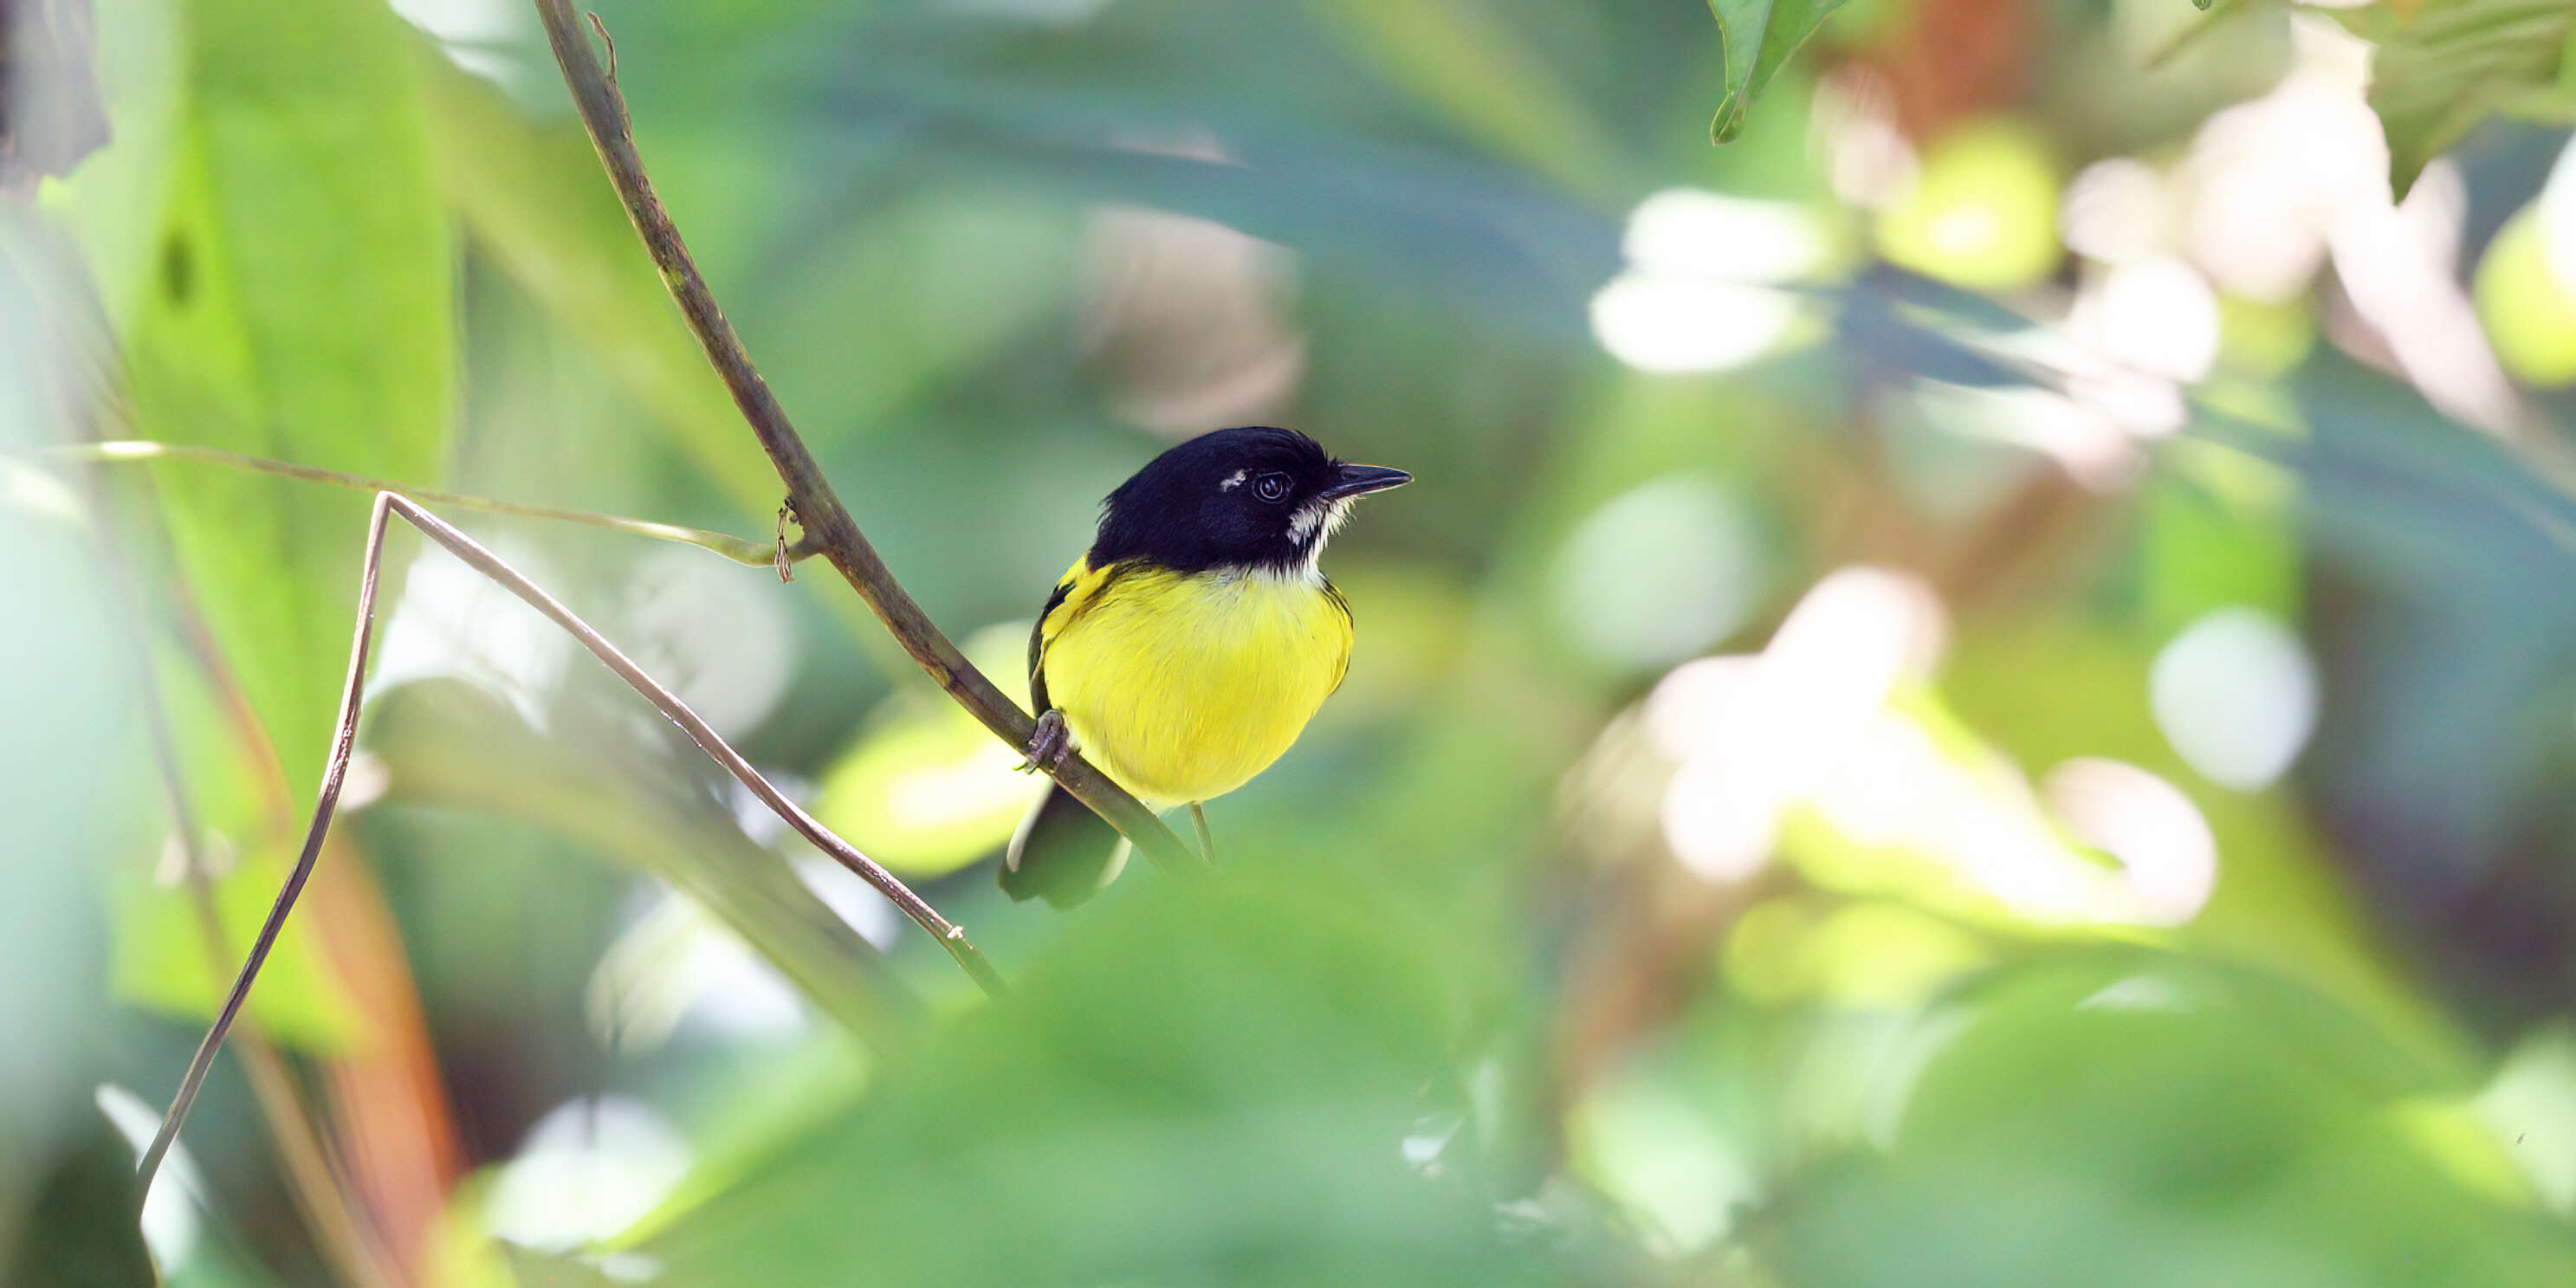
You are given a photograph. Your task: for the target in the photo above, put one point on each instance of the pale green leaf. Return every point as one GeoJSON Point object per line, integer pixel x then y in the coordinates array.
{"type": "Point", "coordinates": [299, 308]}
{"type": "Point", "coordinates": [926, 790]}
{"type": "Point", "coordinates": [161, 960]}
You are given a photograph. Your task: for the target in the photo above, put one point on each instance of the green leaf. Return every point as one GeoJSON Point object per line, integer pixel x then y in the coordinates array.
{"type": "Point", "coordinates": [2458, 62]}
{"type": "Point", "coordinates": [161, 962]}
{"type": "Point", "coordinates": [2125, 1119]}
{"type": "Point", "coordinates": [927, 791]}
{"type": "Point", "coordinates": [1759, 36]}
{"type": "Point", "coordinates": [299, 308]}
{"type": "Point", "coordinates": [289, 296]}
{"type": "Point", "coordinates": [1201, 1084]}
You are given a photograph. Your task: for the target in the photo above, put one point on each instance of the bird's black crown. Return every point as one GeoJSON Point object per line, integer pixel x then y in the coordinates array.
{"type": "Point", "coordinates": [1251, 497]}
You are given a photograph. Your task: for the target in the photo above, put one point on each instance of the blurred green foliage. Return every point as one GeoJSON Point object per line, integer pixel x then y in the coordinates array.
{"type": "Point", "coordinates": [1977, 689]}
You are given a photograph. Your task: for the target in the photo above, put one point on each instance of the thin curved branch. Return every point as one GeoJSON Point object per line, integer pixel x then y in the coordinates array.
{"type": "Point", "coordinates": [315, 1174]}
{"type": "Point", "coordinates": [828, 525]}
{"type": "Point", "coordinates": [950, 935]}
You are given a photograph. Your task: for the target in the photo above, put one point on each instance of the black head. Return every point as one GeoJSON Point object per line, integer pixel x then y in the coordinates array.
{"type": "Point", "coordinates": [1254, 497]}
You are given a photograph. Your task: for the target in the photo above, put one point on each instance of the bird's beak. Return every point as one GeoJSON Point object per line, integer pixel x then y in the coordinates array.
{"type": "Point", "coordinates": [1360, 480]}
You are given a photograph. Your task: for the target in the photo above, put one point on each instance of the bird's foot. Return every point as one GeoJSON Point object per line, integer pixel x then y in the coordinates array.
{"type": "Point", "coordinates": [1049, 745]}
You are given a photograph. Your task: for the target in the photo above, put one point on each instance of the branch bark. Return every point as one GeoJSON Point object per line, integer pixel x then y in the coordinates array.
{"type": "Point", "coordinates": [829, 529]}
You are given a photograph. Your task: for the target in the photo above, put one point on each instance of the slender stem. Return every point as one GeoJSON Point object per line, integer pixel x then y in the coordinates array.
{"type": "Point", "coordinates": [828, 526]}
{"type": "Point", "coordinates": [1198, 823]}
{"type": "Point", "coordinates": [741, 550]}
{"type": "Point", "coordinates": [951, 936]}
{"type": "Point", "coordinates": [328, 800]}
{"type": "Point", "coordinates": [353, 1247]}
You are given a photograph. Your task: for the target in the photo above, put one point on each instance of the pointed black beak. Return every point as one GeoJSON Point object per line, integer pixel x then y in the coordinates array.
{"type": "Point", "coordinates": [1360, 480]}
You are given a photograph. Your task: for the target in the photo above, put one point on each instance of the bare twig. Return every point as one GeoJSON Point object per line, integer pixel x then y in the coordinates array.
{"type": "Point", "coordinates": [741, 550]}
{"type": "Point", "coordinates": [333, 772]}
{"type": "Point", "coordinates": [318, 1183]}
{"type": "Point", "coordinates": [828, 526]}
{"type": "Point", "coordinates": [951, 936]}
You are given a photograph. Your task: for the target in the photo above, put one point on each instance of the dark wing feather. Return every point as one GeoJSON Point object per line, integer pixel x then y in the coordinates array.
{"type": "Point", "coordinates": [1063, 853]}
{"type": "Point", "coordinates": [1037, 647]}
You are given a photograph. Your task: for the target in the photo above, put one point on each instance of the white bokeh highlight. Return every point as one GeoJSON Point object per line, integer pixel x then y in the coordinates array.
{"type": "Point", "coordinates": [1765, 732]}
{"type": "Point", "coordinates": [712, 632]}
{"type": "Point", "coordinates": [2236, 696]}
{"type": "Point", "coordinates": [452, 622]}
{"type": "Point", "coordinates": [1816, 722]}
{"type": "Point", "coordinates": [588, 1170]}
{"type": "Point", "coordinates": [1698, 294]}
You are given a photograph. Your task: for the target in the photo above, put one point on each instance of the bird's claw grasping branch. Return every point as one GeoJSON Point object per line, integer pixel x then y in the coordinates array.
{"type": "Point", "coordinates": [1049, 745]}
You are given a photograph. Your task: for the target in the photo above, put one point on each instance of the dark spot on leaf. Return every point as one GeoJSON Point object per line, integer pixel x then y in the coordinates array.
{"type": "Point", "coordinates": [178, 269]}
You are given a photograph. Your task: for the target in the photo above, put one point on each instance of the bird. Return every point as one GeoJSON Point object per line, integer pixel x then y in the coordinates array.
{"type": "Point", "coordinates": [1188, 647]}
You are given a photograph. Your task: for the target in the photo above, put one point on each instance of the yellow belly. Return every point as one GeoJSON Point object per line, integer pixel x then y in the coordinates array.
{"type": "Point", "coordinates": [1184, 686]}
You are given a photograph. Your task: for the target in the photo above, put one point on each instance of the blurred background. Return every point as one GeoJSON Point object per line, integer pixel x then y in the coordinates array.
{"type": "Point", "coordinates": [1978, 688]}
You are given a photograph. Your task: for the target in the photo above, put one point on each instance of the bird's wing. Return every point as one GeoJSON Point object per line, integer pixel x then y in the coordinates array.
{"type": "Point", "coordinates": [1038, 635]}
{"type": "Point", "coordinates": [1342, 606]}
{"type": "Point", "coordinates": [1080, 589]}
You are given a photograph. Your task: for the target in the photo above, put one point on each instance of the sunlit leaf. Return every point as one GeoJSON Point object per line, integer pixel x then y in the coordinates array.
{"type": "Point", "coordinates": [161, 959]}
{"type": "Point", "coordinates": [926, 789]}
{"type": "Point", "coordinates": [298, 308]}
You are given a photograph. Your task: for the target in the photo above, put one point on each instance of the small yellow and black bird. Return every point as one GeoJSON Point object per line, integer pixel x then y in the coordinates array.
{"type": "Point", "coordinates": [1188, 648]}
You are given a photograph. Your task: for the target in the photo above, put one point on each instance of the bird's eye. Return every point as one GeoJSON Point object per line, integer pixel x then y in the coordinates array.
{"type": "Point", "coordinates": [1271, 487]}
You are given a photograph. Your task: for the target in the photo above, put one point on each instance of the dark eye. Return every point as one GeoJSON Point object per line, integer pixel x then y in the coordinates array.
{"type": "Point", "coordinates": [1271, 487]}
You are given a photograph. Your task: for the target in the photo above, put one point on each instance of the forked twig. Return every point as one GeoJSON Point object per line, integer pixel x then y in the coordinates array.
{"type": "Point", "coordinates": [828, 526]}
{"type": "Point", "coordinates": [950, 935]}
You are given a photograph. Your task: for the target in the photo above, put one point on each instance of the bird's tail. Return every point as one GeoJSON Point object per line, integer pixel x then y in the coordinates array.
{"type": "Point", "coordinates": [1063, 853]}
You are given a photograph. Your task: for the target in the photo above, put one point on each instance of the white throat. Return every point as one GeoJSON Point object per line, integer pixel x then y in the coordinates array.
{"type": "Point", "coordinates": [1311, 527]}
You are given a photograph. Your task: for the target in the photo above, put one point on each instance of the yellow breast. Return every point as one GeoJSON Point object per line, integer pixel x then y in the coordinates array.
{"type": "Point", "coordinates": [1182, 686]}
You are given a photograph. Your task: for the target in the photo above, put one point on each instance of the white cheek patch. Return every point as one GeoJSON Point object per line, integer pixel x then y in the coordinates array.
{"type": "Point", "coordinates": [1303, 522]}
{"type": "Point", "coordinates": [1234, 482]}
{"type": "Point", "coordinates": [1314, 523]}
